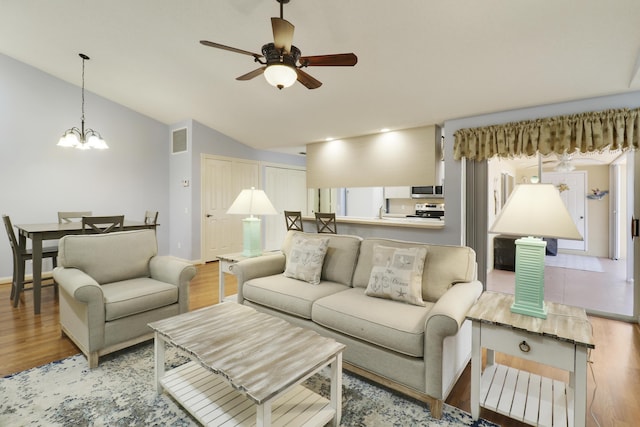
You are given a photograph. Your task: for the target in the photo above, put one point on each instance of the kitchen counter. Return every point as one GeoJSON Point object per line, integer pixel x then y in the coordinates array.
{"type": "Point", "coordinates": [389, 221]}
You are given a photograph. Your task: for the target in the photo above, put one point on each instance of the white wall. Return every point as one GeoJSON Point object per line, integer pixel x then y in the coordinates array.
{"type": "Point", "coordinates": [38, 178]}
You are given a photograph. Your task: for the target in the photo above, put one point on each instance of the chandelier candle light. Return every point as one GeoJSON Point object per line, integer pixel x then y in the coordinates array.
{"type": "Point", "coordinates": [536, 211]}
{"type": "Point", "coordinates": [82, 138]}
{"type": "Point", "coordinates": [252, 202]}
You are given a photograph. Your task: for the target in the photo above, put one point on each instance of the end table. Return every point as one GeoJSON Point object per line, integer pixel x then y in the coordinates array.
{"type": "Point", "coordinates": [561, 340]}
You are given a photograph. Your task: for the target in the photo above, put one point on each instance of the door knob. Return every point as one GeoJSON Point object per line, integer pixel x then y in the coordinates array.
{"type": "Point", "coordinates": [209, 215]}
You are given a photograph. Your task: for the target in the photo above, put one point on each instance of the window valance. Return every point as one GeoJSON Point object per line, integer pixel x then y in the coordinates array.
{"type": "Point", "coordinates": [585, 132]}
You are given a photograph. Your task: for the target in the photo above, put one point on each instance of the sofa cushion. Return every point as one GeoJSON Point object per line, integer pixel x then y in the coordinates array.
{"type": "Point", "coordinates": [389, 324]}
{"type": "Point", "coordinates": [134, 296]}
{"type": "Point", "coordinates": [397, 274]}
{"type": "Point", "coordinates": [306, 258]}
{"type": "Point", "coordinates": [109, 257]}
{"type": "Point", "coordinates": [444, 267]}
{"type": "Point", "coordinates": [289, 295]}
{"type": "Point", "coordinates": [340, 260]}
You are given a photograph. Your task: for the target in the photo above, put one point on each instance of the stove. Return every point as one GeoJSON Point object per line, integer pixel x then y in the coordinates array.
{"type": "Point", "coordinates": [428, 210]}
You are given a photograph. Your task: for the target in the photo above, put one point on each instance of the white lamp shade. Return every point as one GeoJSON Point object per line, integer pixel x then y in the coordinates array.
{"type": "Point", "coordinates": [280, 76]}
{"type": "Point", "coordinates": [252, 202]}
{"type": "Point", "coordinates": [69, 139]}
{"type": "Point", "coordinates": [536, 210]}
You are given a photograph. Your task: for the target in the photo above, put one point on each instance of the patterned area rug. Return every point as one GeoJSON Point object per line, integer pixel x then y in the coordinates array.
{"type": "Point", "coordinates": [120, 392]}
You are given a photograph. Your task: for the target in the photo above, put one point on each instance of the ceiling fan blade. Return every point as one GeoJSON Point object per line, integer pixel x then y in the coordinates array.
{"type": "Point", "coordinates": [282, 34]}
{"type": "Point", "coordinates": [231, 49]}
{"type": "Point", "coordinates": [308, 81]}
{"type": "Point", "coordinates": [252, 74]}
{"type": "Point", "coordinates": [339, 59]}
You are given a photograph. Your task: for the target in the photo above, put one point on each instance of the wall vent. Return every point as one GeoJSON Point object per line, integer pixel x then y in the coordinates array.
{"type": "Point", "coordinates": [179, 141]}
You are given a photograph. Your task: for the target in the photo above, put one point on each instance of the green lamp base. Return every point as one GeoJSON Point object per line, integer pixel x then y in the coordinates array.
{"type": "Point", "coordinates": [529, 294]}
{"type": "Point", "coordinates": [251, 237]}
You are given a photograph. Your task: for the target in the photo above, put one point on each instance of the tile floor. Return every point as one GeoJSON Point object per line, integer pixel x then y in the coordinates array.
{"type": "Point", "coordinates": [606, 292]}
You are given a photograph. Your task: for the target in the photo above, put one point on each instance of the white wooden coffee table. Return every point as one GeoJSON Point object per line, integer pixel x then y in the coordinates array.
{"type": "Point", "coordinates": [246, 368]}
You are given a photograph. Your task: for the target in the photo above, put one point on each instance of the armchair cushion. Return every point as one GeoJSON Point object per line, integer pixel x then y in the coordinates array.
{"type": "Point", "coordinates": [128, 297]}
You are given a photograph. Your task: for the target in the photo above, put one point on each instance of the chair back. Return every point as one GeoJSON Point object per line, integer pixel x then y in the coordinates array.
{"type": "Point", "coordinates": [293, 220]}
{"type": "Point", "coordinates": [12, 236]}
{"type": "Point", "coordinates": [68, 216]}
{"type": "Point", "coordinates": [102, 224]}
{"type": "Point", "coordinates": [326, 223]}
{"type": "Point", "coordinates": [151, 217]}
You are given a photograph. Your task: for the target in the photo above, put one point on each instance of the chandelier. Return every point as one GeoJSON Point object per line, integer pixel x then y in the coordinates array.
{"type": "Point", "coordinates": [83, 139]}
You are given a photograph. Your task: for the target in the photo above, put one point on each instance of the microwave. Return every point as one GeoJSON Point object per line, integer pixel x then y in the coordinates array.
{"type": "Point", "coordinates": [427, 191]}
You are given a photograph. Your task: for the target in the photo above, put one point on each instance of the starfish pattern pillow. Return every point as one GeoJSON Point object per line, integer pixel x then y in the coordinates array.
{"type": "Point", "coordinates": [397, 274]}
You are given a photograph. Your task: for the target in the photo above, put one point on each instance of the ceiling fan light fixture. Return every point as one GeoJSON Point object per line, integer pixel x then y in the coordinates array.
{"type": "Point", "coordinates": [280, 75]}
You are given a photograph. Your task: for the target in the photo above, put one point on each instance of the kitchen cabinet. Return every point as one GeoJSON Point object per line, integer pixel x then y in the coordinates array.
{"type": "Point", "coordinates": [403, 192]}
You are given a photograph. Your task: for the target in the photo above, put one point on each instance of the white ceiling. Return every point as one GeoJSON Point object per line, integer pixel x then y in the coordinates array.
{"type": "Point", "coordinates": [420, 62]}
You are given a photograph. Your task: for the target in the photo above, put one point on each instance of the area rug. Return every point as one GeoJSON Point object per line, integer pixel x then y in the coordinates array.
{"type": "Point", "coordinates": [120, 392]}
{"type": "Point", "coordinates": [574, 262]}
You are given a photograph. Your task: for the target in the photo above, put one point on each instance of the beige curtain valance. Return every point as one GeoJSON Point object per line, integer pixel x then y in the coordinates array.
{"type": "Point", "coordinates": [586, 132]}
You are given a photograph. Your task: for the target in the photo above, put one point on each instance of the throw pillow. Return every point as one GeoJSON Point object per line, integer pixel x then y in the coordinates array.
{"type": "Point", "coordinates": [397, 274]}
{"type": "Point", "coordinates": [306, 258]}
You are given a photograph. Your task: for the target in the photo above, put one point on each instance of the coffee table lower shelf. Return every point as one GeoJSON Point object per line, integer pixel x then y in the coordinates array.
{"type": "Point", "coordinates": [213, 402]}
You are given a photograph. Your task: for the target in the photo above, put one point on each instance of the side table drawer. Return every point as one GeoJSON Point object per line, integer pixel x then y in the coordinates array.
{"type": "Point", "coordinates": [541, 349]}
{"type": "Point", "coordinates": [226, 266]}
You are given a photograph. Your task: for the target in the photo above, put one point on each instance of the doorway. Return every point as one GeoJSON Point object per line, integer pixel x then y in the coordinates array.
{"type": "Point", "coordinates": [593, 278]}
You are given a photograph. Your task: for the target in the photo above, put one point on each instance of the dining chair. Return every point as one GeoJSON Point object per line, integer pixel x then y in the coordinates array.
{"type": "Point", "coordinates": [20, 258]}
{"type": "Point", "coordinates": [68, 216]}
{"type": "Point", "coordinates": [326, 223]}
{"type": "Point", "coordinates": [293, 220]}
{"type": "Point", "coordinates": [102, 224]}
{"type": "Point", "coordinates": [151, 217]}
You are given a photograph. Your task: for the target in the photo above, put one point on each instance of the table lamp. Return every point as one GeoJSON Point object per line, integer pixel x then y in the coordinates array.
{"type": "Point", "coordinates": [536, 211]}
{"type": "Point", "coordinates": [252, 202]}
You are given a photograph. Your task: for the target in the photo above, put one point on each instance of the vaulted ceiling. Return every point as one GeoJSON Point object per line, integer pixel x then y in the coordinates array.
{"type": "Point", "coordinates": [420, 62]}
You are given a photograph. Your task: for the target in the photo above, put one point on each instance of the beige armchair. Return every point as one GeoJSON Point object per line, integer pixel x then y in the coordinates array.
{"type": "Point", "coordinates": [112, 285]}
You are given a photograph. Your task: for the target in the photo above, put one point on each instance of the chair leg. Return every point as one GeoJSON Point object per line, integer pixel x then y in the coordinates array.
{"type": "Point", "coordinates": [92, 358]}
{"type": "Point", "coordinates": [19, 283]}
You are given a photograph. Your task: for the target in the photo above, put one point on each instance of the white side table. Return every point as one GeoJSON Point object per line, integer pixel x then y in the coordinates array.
{"type": "Point", "coordinates": [561, 340]}
{"type": "Point", "coordinates": [226, 266]}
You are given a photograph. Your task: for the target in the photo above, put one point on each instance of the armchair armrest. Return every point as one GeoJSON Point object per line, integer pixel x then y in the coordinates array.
{"type": "Point", "coordinates": [179, 273]}
{"type": "Point", "coordinates": [78, 285]}
{"type": "Point", "coordinates": [262, 266]}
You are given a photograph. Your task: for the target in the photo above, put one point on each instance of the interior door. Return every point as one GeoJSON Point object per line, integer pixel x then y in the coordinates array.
{"type": "Point", "coordinates": [572, 186]}
{"type": "Point", "coordinates": [222, 180]}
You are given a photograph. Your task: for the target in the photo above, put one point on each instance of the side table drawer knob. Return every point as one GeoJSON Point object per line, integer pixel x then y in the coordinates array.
{"type": "Point", "coordinates": [524, 347]}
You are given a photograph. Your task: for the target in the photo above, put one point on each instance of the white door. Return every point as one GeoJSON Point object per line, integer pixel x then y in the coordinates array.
{"type": "Point", "coordinates": [572, 186]}
{"type": "Point", "coordinates": [287, 190]}
{"type": "Point", "coordinates": [222, 180]}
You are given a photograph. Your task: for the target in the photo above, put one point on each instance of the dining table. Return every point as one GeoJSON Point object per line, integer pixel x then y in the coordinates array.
{"type": "Point", "coordinates": [38, 233]}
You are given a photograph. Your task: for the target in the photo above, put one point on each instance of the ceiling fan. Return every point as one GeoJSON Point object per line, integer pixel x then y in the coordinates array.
{"type": "Point", "coordinates": [282, 63]}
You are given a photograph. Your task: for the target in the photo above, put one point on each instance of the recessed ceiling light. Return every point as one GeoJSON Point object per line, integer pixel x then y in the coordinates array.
{"type": "Point", "coordinates": [385, 130]}
{"type": "Point", "coordinates": [329, 139]}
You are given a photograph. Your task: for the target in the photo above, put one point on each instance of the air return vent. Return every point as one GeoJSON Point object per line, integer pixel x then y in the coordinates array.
{"type": "Point", "coordinates": [179, 141]}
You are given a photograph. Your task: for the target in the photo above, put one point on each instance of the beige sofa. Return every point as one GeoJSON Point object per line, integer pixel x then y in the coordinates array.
{"type": "Point", "coordinates": [112, 285]}
{"type": "Point", "coordinates": [417, 350]}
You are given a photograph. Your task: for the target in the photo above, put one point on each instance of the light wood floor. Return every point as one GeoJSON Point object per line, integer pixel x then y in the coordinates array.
{"type": "Point", "coordinates": [28, 341]}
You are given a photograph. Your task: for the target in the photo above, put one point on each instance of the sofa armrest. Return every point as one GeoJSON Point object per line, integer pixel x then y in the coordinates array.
{"type": "Point", "coordinates": [262, 266]}
{"type": "Point", "coordinates": [445, 319]}
{"type": "Point", "coordinates": [179, 273]}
